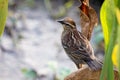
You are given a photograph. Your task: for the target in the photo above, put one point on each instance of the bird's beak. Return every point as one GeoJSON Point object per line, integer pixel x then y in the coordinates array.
{"type": "Point", "coordinates": [60, 21]}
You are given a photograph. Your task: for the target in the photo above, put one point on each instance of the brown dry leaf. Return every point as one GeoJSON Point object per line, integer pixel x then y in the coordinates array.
{"type": "Point", "coordinates": [88, 18]}
{"type": "Point", "coordinates": [87, 74]}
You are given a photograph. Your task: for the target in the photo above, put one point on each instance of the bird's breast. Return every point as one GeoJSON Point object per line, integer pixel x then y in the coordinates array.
{"type": "Point", "coordinates": [69, 40]}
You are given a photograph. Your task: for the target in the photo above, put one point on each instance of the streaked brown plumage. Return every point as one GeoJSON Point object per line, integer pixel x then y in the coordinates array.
{"type": "Point", "coordinates": [77, 46]}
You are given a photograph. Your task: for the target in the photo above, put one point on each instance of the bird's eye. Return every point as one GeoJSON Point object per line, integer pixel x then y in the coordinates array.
{"type": "Point", "coordinates": [67, 25]}
{"type": "Point", "coordinates": [70, 26]}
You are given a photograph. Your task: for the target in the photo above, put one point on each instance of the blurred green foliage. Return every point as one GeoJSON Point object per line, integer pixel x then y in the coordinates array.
{"type": "Point", "coordinates": [60, 73]}
{"type": "Point", "coordinates": [61, 10]}
{"type": "Point", "coordinates": [29, 74]}
{"type": "Point", "coordinates": [30, 3]}
{"type": "Point", "coordinates": [63, 72]}
{"type": "Point", "coordinates": [68, 4]}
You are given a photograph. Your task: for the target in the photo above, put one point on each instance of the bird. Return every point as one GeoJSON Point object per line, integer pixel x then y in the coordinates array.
{"type": "Point", "coordinates": [77, 46]}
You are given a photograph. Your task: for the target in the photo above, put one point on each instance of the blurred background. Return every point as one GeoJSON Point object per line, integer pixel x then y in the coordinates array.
{"type": "Point", "coordinates": [30, 48]}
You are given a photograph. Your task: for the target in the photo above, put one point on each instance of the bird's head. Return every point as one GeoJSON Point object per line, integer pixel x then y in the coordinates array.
{"type": "Point", "coordinates": [68, 23]}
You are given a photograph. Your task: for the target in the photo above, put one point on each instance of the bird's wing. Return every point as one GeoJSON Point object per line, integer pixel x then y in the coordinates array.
{"type": "Point", "coordinates": [82, 49]}
{"type": "Point", "coordinates": [81, 55]}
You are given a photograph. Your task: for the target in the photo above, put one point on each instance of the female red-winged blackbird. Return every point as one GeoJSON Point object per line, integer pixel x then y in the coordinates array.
{"type": "Point", "coordinates": [77, 46]}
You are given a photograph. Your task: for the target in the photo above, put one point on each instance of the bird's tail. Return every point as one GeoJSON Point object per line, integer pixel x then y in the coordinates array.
{"type": "Point", "coordinates": [94, 64]}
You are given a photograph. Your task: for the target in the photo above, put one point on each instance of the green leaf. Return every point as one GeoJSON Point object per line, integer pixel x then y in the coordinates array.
{"type": "Point", "coordinates": [118, 57]}
{"type": "Point", "coordinates": [3, 14]}
{"type": "Point", "coordinates": [117, 3]}
{"type": "Point", "coordinates": [109, 26]}
{"type": "Point", "coordinates": [106, 16]}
